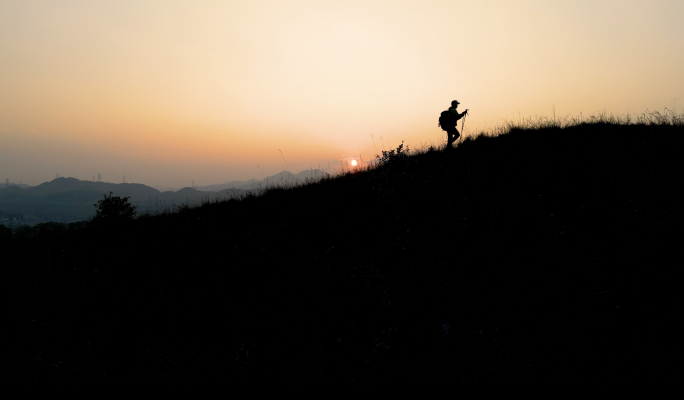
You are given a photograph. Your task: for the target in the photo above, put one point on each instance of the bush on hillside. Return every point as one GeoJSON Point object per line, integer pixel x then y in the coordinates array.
{"type": "Point", "coordinates": [114, 209]}
{"type": "Point", "coordinates": [393, 156]}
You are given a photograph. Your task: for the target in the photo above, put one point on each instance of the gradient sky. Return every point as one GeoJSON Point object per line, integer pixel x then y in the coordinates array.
{"type": "Point", "coordinates": [169, 91]}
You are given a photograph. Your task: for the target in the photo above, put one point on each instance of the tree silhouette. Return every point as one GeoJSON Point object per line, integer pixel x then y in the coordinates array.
{"type": "Point", "coordinates": [114, 209]}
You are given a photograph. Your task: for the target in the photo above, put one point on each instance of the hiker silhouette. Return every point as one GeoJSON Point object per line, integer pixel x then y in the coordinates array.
{"type": "Point", "coordinates": [448, 121]}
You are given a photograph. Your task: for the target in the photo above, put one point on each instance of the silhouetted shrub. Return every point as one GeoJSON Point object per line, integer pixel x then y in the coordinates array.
{"type": "Point", "coordinates": [392, 156]}
{"type": "Point", "coordinates": [114, 209]}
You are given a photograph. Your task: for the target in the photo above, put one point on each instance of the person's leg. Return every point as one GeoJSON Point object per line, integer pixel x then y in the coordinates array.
{"type": "Point", "coordinates": [456, 134]}
{"type": "Point", "coordinates": [450, 137]}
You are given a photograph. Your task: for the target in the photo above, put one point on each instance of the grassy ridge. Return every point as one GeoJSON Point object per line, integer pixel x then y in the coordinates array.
{"type": "Point", "coordinates": [546, 253]}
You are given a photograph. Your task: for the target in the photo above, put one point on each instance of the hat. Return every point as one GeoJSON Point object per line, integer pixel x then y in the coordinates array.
{"type": "Point", "coordinates": [455, 102]}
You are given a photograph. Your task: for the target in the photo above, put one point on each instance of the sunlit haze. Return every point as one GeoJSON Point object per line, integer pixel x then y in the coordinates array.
{"type": "Point", "coordinates": [167, 92]}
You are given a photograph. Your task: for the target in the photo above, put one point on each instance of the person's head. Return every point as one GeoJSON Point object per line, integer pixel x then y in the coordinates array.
{"type": "Point", "coordinates": [455, 104]}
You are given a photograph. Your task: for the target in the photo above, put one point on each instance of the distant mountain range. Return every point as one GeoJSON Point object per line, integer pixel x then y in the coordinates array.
{"type": "Point", "coordinates": [70, 199]}
{"type": "Point", "coordinates": [21, 185]}
{"type": "Point", "coordinates": [284, 177]}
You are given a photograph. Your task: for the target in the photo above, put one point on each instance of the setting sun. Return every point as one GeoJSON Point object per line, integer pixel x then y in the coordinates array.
{"type": "Point", "coordinates": [353, 163]}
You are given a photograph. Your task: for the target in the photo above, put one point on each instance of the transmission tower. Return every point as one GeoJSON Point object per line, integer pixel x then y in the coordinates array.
{"type": "Point", "coordinates": [99, 177]}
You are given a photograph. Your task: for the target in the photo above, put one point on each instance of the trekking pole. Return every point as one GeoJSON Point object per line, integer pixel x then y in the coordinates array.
{"type": "Point", "coordinates": [462, 125]}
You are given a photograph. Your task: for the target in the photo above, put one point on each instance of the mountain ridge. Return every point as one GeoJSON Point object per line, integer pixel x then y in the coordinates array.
{"type": "Point", "coordinates": [67, 199]}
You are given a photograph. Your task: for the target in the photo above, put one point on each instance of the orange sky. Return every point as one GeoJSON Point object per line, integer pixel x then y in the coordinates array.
{"type": "Point", "coordinates": [165, 92]}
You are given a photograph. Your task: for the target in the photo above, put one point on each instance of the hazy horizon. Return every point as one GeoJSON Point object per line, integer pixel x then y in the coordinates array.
{"type": "Point", "coordinates": [301, 175]}
{"type": "Point", "coordinates": [167, 92]}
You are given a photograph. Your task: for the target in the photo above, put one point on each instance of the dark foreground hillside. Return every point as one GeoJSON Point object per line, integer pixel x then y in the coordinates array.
{"type": "Point", "coordinates": [545, 255]}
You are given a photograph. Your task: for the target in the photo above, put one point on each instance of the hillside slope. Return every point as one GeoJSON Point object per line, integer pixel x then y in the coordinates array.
{"type": "Point", "coordinates": [540, 255]}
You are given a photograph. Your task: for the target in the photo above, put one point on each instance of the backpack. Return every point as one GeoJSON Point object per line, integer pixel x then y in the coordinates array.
{"type": "Point", "coordinates": [446, 120]}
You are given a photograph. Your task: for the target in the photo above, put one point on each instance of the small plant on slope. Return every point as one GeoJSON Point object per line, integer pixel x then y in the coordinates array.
{"type": "Point", "coordinates": [114, 209]}
{"type": "Point", "coordinates": [391, 156]}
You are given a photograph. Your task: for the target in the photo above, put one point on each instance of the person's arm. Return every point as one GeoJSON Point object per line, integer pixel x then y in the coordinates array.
{"type": "Point", "coordinates": [457, 115]}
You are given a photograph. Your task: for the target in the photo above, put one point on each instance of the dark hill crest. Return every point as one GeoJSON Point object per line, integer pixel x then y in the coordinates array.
{"type": "Point", "coordinates": [544, 254]}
